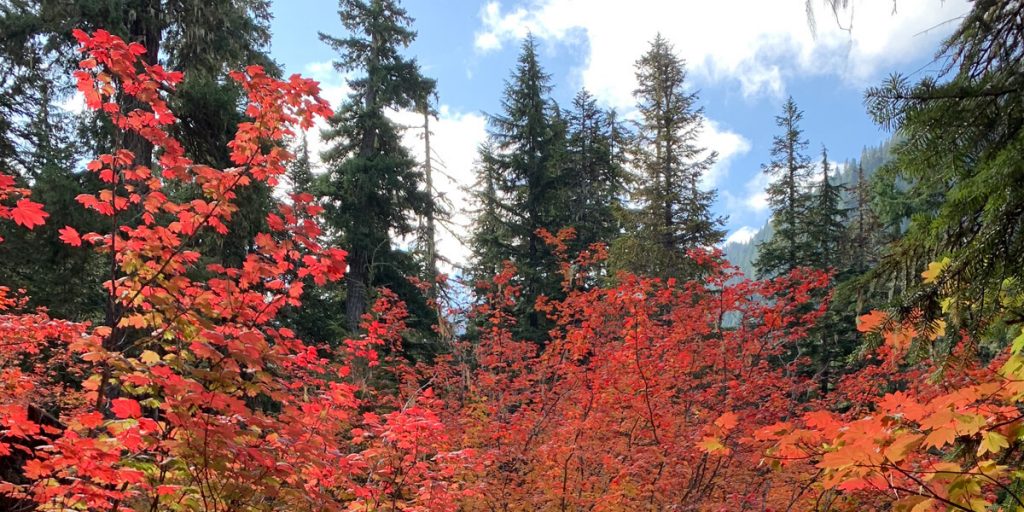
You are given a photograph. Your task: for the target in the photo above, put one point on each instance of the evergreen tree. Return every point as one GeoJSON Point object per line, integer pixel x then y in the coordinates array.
{"type": "Point", "coordinates": [519, 189]}
{"type": "Point", "coordinates": [300, 173]}
{"type": "Point", "coordinates": [864, 226]}
{"type": "Point", "coordinates": [833, 337]}
{"type": "Point", "coordinates": [826, 227]}
{"type": "Point", "coordinates": [201, 38]}
{"type": "Point", "coordinates": [65, 280]}
{"type": "Point", "coordinates": [674, 212]}
{"type": "Point", "coordinates": [594, 175]}
{"type": "Point", "coordinates": [961, 164]}
{"type": "Point", "coordinates": [790, 170]}
{"type": "Point", "coordinates": [489, 240]}
{"type": "Point", "coordinates": [373, 187]}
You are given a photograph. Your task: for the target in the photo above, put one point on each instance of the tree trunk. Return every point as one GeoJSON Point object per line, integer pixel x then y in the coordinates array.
{"type": "Point", "coordinates": [428, 178]}
{"type": "Point", "coordinates": [356, 283]}
{"type": "Point", "coordinates": [147, 30]}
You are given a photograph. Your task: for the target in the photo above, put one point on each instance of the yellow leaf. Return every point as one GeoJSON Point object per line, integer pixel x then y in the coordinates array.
{"type": "Point", "coordinates": [901, 446]}
{"type": "Point", "coordinates": [711, 445]}
{"type": "Point", "coordinates": [992, 442]}
{"type": "Point", "coordinates": [1018, 343]}
{"type": "Point", "coordinates": [940, 437]}
{"type": "Point", "coordinates": [991, 469]}
{"type": "Point", "coordinates": [969, 424]}
{"type": "Point", "coordinates": [934, 269]}
{"type": "Point", "coordinates": [149, 357]}
{"type": "Point", "coordinates": [979, 505]}
{"type": "Point", "coordinates": [943, 470]}
{"type": "Point", "coordinates": [1013, 369]}
{"type": "Point", "coordinates": [924, 505]}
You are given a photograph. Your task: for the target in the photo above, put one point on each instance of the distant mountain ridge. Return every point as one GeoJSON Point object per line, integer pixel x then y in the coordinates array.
{"type": "Point", "coordinates": [744, 254]}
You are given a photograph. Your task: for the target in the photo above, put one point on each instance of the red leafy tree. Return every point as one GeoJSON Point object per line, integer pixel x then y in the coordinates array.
{"type": "Point", "coordinates": [190, 396]}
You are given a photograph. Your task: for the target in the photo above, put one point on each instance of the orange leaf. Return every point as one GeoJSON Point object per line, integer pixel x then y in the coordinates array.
{"type": "Point", "coordinates": [727, 421]}
{"type": "Point", "coordinates": [871, 321]}
{"type": "Point", "coordinates": [902, 446]}
{"type": "Point", "coordinates": [940, 437]}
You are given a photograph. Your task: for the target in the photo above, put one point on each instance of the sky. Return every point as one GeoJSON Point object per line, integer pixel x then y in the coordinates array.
{"type": "Point", "coordinates": [744, 58]}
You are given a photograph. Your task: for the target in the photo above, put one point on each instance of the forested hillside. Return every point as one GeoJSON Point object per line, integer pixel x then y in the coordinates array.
{"type": "Point", "coordinates": [221, 292]}
{"type": "Point", "coordinates": [845, 176]}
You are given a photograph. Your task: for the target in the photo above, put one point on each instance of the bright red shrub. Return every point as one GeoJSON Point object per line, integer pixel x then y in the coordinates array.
{"type": "Point", "coordinates": [190, 396]}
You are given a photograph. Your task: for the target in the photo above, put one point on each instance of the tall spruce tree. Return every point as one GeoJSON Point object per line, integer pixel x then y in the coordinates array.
{"type": "Point", "coordinates": [833, 337]}
{"type": "Point", "coordinates": [300, 172]}
{"type": "Point", "coordinates": [373, 187]}
{"type": "Point", "coordinates": [826, 226]}
{"type": "Point", "coordinates": [790, 171]}
{"type": "Point", "coordinates": [864, 226]}
{"type": "Point", "coordinates": [674, 213]}
{"type": "Point", "coordinates": [594, 174]}
{"type": "Point", "coordinates": [519, 175]}
{"type": "Point", "coordinates": [489, 239]}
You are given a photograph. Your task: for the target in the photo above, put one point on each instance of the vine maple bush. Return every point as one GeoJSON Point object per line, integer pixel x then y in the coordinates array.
{"type": "Point", "coordinates": [643, 395]}
{"type": "Point", "coordinates": [190, 396]}
{"type": "Point", "coordinates": [951, 441]}
{"type": "Point", "coordinates": [646, 395]}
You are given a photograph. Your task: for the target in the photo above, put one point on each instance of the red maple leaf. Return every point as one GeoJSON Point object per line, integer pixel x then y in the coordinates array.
{"type": "Point", "coordinates": [29, 213]}
{"type": "Point", "coordinates": [70, 236]}
{"type": "Point", "coordinates": [125, 408]}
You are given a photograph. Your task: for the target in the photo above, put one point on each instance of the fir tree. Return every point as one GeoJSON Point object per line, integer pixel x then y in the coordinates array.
{"type": "Point", "coordinates": [373, 187]}
{"type": "Point", "coordinates": [960, 166]}
{"type": "Point", "coordinates": [594, 176]}
{"type": "Point", "coordinates": [826, 227]}
{"type": "Point", "coordinates": [674, 212]}
{"type": "Point", "coordinates": [300, 172]}
{"type": "Point", "coordinates": [790, 171]}
{"type": "Point", "coordinates": [489, 240]}
{"type": "Point", "coordinates": [834, 336]}
{"type": "Point", "coordinates": [522, 166]}
{"type": "Point", "coordinates": [864, 226]}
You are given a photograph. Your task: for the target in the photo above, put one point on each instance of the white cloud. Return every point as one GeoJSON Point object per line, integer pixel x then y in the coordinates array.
{"type": "Point", "coordinates": [758, 202]}
{"type": "Point", "coordinates": [333, 85]}
{"type": "Point", "coordinates": [454, 140]}
{"type": "Point", "coordinates": [757, 195]}
{"type": "Point", "coordinates": [754, 42]}
{"type": "Point", "coordinates": [729, 145]}
{"type": "Point", "coordinates": [742, 235]}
